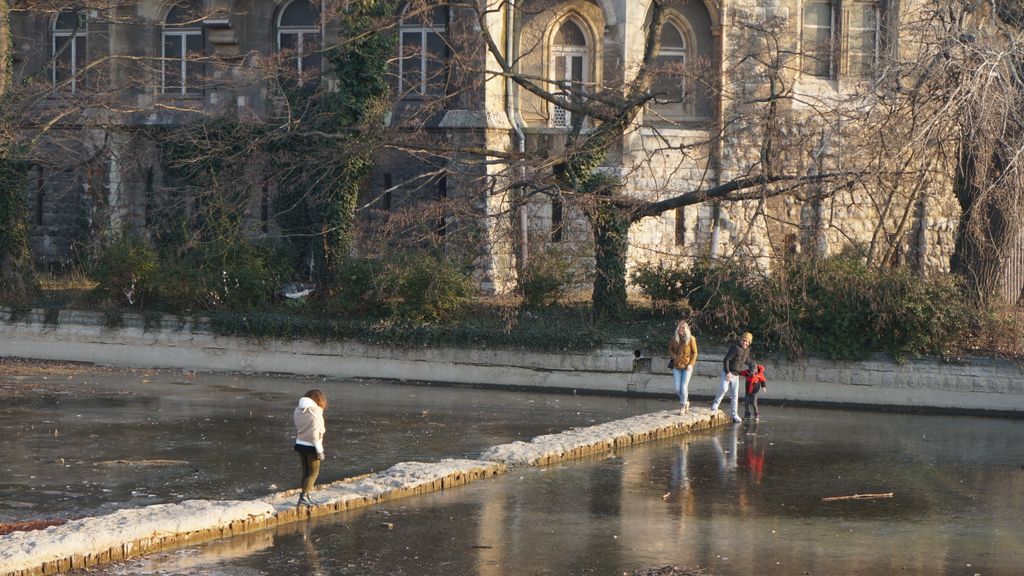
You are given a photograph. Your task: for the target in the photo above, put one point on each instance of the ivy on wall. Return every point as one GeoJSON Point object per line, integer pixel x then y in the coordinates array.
{"type": "Point", "coordinates": [338, 133]}
{"type": "Point", "coordinates": [17, 280]}
{"type": "Point", "coordinates": [316, 151]}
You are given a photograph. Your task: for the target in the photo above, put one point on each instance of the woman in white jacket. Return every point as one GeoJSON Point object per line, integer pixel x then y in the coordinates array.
{"type": "Point", "coordinates": [309, 440]}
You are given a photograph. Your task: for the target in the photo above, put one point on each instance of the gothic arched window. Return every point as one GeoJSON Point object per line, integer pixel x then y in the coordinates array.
{"type": "Point", "coordinates": [571, 59]}
{"type": "Point", "coordinates": [181, 64]}
{"type": "Point", "coordinates": [672, 97]}
{"type": "Point", "coordinates": [68, 50]}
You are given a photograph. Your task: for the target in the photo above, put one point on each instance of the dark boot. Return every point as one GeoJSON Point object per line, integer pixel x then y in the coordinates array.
{"type": "Point", "coordinates": [305, 500]}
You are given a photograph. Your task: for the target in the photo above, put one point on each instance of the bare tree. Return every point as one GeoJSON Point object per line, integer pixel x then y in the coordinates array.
{"type": "Point", "coordinates": [604, 121]}
{"type": "Point", "coordinates": [984, 57]}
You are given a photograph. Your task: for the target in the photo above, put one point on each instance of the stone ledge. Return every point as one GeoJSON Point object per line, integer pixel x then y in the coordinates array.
{"type": "Point", "coordinates": [33, 553]}
{"type": "Point", "coordinates": [975, 384]}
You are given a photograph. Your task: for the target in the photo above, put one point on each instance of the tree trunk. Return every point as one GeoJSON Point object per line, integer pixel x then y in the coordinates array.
{"type": "Point", "coordinates": [339, 218]}
{"type": "Point", "coordinates": [17, 280]}
{"type": "Point", "coordinates": [5, 52]}
{"type": "Point", "coordinates": [611, 241]}
{"type": "Point", "coordinates": [985, 232]}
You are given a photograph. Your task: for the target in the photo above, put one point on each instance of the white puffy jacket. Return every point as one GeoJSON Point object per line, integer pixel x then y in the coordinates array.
{"type": "Point", "coordinates": [309, 424]}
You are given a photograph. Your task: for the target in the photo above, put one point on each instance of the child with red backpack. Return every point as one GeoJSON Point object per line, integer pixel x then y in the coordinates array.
{"type": "Point", "coordinates": [755, 383]}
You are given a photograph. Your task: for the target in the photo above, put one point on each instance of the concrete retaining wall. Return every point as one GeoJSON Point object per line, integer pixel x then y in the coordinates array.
{"type": "Point", "coordinates": [975, 384]}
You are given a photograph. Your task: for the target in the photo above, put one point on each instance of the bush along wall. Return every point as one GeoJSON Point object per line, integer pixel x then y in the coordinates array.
{"type": "Point", "coordinates": [835, 307]}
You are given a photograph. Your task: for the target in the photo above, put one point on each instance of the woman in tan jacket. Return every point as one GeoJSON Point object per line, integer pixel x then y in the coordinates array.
{"type": "Point", "coordinates": [682, 354]}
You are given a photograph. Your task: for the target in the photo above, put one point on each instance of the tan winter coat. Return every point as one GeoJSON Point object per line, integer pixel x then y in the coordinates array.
{"type": "Point", "coordinates": [683, 354]}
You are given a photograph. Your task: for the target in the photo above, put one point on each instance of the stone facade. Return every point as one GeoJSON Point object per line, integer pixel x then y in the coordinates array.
{"type": "Point", "coordinates": [734, 57]}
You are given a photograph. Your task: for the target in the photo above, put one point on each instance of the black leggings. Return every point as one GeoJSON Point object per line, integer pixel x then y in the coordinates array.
{"type": "Point", "coordinates": [747, 401]}
{"type": "Point", "coordinates": [310, 470]}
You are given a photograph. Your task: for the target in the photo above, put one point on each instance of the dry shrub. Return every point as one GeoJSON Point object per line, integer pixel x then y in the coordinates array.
{"type": "Point", "coordinates": [999, 331]}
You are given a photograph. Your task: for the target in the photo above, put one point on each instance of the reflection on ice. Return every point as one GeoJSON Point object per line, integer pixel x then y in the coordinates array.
{"type": "Point", "coordinates": [204, 560]}
{"type": "Point", "coordinates": [739, 500]}
{"type": "Point", "coordinates": [139, 437]}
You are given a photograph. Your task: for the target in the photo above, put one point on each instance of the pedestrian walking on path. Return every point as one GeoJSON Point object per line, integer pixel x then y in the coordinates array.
{"type": "Point", "coordinates": [735, 361]}
{"type": "Point", "coordinates": [682, 355]}
{"type": "Point", "coordinates": [309, 440]}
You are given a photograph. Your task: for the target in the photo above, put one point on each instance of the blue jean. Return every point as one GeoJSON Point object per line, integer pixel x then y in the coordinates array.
{"type": "Point", "coordinates": [681, 380]}
{"type": "Point", "coordinates": [730, 384]}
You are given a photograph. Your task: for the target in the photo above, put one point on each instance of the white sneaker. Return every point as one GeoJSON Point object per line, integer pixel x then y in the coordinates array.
{"type": "Point", "coordinates": [737, 419]}
{"type": "Point", "coordinates": [714, 407]}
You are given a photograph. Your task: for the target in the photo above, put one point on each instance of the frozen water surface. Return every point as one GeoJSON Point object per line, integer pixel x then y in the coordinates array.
{"type": "Point", "coordinates": [80, 440]}
{"type": "Point", "coordinates": [737, 500]}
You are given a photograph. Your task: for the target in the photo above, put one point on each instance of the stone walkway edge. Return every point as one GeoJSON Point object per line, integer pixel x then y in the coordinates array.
{"type": "Point", "coordinates": [129, 533]}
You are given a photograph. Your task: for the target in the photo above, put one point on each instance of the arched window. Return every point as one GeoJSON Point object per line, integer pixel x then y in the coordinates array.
{"type": "Point", "coordinates": [423, 53]}
{"type": "Point", "coordinates": [670, 84]}
{"type": "Point", "coordinates": [672, 97]}
{"type": "Point", "coordinates": [299, 38]}
{"type": "Point", "coordinates": [182, 68]}
{"type": "Point", "coordinates": [68, 50]}
{"type": "Point", "coordinates": [570, 65]}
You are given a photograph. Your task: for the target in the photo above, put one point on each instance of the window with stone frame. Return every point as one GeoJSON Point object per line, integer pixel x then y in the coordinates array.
{"type": "Point", "coordinates": [680, 229]}
{"type": "Point", "coordinates": [863, 38]}
{"type": "Point", "coordinates": [825, 22]}
{"type": "Point", "coordinates": [68, 51]}
{"type": "Point", "coordinates": [181, 70]}
{"type": "Point", "coordinates": [441, 196]}
{"type": "Point", "coordinates": [423, 53]}
{"type": "Point", "coordinates": [817, 39]}
{"type": "Point", "coordinates": [557, 218]}
{"type": "Point", "coordinates": [572, 55]}
{"type": "Point", "coordinates": [300, 39]}
{"type": "Point", "coordinates": [39, 218]}
{"type": "Point", "coordinates": [673, 96]}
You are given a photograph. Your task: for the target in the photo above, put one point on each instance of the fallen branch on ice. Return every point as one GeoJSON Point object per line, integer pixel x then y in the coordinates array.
{"type": "Point", "coordinates": [857, 497]}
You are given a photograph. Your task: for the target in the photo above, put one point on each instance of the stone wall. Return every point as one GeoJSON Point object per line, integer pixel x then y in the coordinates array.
{"type": "Point", "coordinates": [973, 385]}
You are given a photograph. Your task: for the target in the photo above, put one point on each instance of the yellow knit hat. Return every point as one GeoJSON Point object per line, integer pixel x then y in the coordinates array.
{"type": "Point", "coordinates": [748, 337]}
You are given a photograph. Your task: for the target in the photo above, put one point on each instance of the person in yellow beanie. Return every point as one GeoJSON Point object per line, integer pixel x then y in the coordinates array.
{"type": "Point", "coordinates": [735, 361]}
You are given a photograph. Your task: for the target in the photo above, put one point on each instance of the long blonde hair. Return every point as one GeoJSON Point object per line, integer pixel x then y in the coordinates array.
{"type": "Point", "coordinates": [686, 331]}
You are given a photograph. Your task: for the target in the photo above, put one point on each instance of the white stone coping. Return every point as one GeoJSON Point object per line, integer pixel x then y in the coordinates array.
{"type": "Point", "coordinates": [26, 550]}
{"type": "Point", "coordinates": [543, 448]}
{"type": "Point", "coordinates": [87, 539]}
{"type": "Point", "coordinates": [408, 476]}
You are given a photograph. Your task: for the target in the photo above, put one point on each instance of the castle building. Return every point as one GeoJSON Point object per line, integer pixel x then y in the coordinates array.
{"type": "Point", "coordinates": [740, 85]}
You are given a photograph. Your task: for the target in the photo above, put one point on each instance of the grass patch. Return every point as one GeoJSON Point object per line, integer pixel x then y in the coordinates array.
{"type": "Point", "coordinates": [65, 289]}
